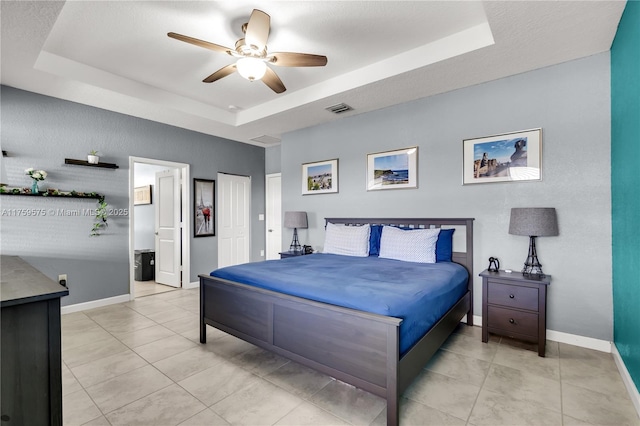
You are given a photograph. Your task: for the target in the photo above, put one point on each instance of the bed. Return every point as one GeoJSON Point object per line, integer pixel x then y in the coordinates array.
{"type": "Point", "coordinates": [359, 347]}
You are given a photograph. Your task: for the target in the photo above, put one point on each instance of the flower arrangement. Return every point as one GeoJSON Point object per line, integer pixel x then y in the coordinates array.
{"type": "Point", "coordinates": [36, 174]}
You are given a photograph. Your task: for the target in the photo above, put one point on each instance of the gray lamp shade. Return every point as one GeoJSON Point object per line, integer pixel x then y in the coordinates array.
{"type": "Point", "coordinates": [295, 220]}
{"type": "Point", "coordinates": [534, 221]}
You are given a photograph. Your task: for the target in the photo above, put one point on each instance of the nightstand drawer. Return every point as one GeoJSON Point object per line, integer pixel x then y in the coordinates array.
{"type": "Point", "coordinates": [512, 321]}
{"type": "Point", "coordinates": [513, 296]}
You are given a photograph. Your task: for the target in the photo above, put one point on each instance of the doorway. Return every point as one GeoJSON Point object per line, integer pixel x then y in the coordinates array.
{"type": "Point", "coordinates": [158, 227]}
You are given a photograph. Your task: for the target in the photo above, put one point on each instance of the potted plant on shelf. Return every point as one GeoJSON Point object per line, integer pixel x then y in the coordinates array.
{"type": "Point", "coordinates": [93, 158]}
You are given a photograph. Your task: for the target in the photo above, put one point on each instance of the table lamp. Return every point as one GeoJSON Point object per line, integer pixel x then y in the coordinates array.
{"type": "Point", "coordinates": [295, 220]}
{"type": "Point", "coordinates": [533, 222]}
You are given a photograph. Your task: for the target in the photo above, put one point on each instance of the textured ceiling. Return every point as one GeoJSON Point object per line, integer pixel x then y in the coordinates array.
{"type": "Point", "coordinates": [116, 54]}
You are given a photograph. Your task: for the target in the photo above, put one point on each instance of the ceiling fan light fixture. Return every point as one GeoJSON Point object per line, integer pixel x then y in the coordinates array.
{"type": "Point", "coordinates": [251, 68]}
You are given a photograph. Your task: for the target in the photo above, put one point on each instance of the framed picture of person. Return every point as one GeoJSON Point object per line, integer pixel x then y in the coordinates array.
{"type": "Point", "coordinates": [204, 207]}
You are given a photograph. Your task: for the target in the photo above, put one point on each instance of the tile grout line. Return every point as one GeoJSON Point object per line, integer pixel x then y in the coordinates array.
{"type": "Point", "coordinates": [475, 401]}
{"type": "Point", "coordinates": [561, 393]}
{"type": "Point", "coordinates": [97, 359]}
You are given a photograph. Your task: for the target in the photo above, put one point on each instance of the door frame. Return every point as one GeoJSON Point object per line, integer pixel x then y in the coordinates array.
{"type": "Point", "coordinates": [266, 202]}
{"type": "Point", "coordinates": [186, 220]}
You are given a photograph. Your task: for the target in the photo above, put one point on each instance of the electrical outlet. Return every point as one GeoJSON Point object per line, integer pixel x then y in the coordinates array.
{"type": "Point", "coordinates": [261, 252]}
{"type": "Point", "coordinates": [62, 279]}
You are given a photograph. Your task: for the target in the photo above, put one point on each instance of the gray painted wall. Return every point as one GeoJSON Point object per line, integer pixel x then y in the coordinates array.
{"type": "Point", "coordinates": [40, 132]}
{"type": "Point", "coordinates": [272, 159]}
{"type": "Point", "coordinates": [570, 102]}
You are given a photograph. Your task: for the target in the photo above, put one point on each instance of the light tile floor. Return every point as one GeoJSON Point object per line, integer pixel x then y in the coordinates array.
{"type": "Point", "coordinates": [140, 363]}
{"type": "Point", "coordinates": [147, 288]}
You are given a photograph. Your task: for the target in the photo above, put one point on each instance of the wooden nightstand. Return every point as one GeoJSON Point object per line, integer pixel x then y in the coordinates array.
{"type": "Point", "coordinates": [515, 305]}
{"type": "Point", "coordinates": [285, 254]}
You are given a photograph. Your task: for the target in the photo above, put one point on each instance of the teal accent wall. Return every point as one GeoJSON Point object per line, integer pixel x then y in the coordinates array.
{"type": "Point", "coordinates": [625, 187]}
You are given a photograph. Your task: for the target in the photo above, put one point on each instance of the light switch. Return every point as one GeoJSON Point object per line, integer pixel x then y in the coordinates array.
{"type": "Point", "coordinates": [261, 216]}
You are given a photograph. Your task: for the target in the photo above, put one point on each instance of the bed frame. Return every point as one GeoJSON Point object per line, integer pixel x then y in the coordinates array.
{"type": "Point", "coordinates": [356, 347]}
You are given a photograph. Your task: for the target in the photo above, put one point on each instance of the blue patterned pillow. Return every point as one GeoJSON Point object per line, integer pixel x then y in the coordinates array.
{"type": "Point", "coordinates": [444, 245]}
{"type": "Point", "coordinates": [416, 245]}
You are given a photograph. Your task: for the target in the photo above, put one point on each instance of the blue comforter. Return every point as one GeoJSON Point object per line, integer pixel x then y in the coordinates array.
{"type": "Point", "coordinates": [419, 293]}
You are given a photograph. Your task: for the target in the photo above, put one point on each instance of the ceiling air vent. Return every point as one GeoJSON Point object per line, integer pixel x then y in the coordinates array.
{"type": "Point", "coordinates": [266, 139]}
{"type": "Point", "coordinates": [339, 108]}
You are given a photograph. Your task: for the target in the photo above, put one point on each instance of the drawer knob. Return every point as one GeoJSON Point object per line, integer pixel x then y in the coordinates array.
{"type": "Point", "coordinates": [512, 321]}
{"type": "Point", "coordinates": [511, 296]}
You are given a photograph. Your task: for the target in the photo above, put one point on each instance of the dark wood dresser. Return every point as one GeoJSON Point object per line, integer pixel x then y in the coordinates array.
{"type": "Point", "coordinates": [31, 366]}
{"type": "Point", "coordinates": [515, 305]}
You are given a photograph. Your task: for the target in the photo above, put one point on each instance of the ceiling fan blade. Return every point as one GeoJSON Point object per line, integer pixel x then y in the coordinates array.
{"type": "Point", "coordinates": [222, 72]}
{"type": "Point", "coordinates": [257, 29]}
{"type": "Point", "coordinates": [272, 80]}
{"type": "Point", "coordinates": [290, 59]}
{"type": "Point", "coordinates": [201, 43]}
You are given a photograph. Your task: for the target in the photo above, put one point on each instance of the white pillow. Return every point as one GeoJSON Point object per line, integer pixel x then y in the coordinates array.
{"type": "Point", "coordinates": [414, 245]}
{"type": "Point", "coordinates": [347, 240]}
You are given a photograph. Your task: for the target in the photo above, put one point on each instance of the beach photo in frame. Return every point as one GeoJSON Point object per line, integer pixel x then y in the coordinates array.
{"type": "Point", "coordinates": [320, 177]}
{"type": "Point", "coordinates": [509, 157]}
{"type": "Point", "coordinates": [204, 212]}
{"type": "Point", "coordinates": [393, 169]}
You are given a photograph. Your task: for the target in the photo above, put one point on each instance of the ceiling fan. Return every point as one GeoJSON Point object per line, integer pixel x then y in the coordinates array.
{"type": "Point", "coordinates": [252, 54]}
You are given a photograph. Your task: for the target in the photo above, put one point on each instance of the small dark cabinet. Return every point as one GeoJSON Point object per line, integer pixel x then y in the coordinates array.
{"type": "Point", "coordinates": [515, 305]}
{"type": "Point", "coordinates": [31, 365]}
{"type": "Point", "coordinates": [145, 265]}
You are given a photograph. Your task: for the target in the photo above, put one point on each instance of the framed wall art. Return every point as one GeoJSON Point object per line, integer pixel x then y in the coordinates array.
{"type": "Point", "coordinates": [320, 177]}
{"type": "Point", "coordinates": [142, 195]}
{"type": "Point", "coordinates": [204, 203]}
{"type": "Point", "coordinates": [510, 157]}
{"type": "Point", "coordinates": [393, 169]}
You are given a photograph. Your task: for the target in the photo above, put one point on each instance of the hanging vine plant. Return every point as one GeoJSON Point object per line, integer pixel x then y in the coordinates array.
{"type": "Point", "coordinates": [101, 217]}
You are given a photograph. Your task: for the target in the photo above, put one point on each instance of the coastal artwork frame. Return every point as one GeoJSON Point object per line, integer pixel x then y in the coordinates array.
{"type": "Point", "coordinates": [507, 157]}
{"type": "Point", "coordinates": [204, 219]}
{"type": "Point", "coordinates": [397, 169]}
{"type": "Point", "coordinates": [320, 177]}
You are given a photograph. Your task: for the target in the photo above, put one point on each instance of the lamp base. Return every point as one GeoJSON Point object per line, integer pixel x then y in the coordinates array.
{"type": "Point", "coordinates": [295, 244]}
{"type": "Point", "coordinates": [532, 266]}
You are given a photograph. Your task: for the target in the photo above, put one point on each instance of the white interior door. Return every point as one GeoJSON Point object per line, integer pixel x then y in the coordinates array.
{"type": "Point", "coordinates": [233, 219]}
{"type": "Point", "coordinates": [168, 227]}
{"type": "Point", "coordinates": [274, 215]}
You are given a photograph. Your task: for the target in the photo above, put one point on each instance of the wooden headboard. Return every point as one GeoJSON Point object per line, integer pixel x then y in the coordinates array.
{"type": "Point", "coordinates": [465, 258]}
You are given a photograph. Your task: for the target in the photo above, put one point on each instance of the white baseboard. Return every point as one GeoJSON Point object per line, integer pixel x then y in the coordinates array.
{"type": "Point", "coordinates": [195, 284]}
{"type": "Point", "coordinates": [95, 304]}
{"type": "Point", "coordinates": [582, 341]}
{"type": "Point", "coordinates": [570, 339]}
{"type": "Point", "coordinates": [626, 378]}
